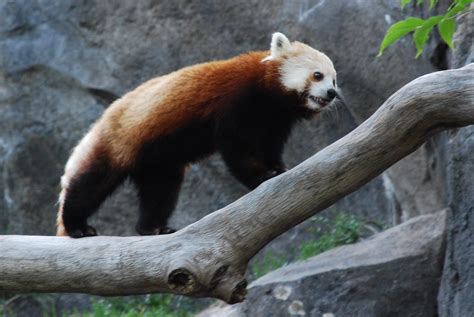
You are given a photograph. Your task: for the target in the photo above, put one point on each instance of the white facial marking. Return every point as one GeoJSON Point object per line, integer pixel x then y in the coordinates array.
{"type": "Point", "coordinates": [301, 65]}
{"type": "Point", "coordinates": [298, 68]}
{"type": "Point", "coordinates": [320, 88]}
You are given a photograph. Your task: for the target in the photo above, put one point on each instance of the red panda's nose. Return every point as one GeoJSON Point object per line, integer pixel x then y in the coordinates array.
{"type": "Point", "coordinates": [331, 93]}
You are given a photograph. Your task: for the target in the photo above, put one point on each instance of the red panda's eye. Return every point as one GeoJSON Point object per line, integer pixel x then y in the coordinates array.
{"type": "Point", "coordinates": [318, 76]}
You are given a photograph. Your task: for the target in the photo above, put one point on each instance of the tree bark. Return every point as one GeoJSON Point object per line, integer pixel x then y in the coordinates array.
{"type": "Point", "coordinates": [209, 257]}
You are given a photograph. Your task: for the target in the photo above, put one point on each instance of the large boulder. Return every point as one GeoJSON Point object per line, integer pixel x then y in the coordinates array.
{"type": "Point", "coordinates": [456, 297]}
{"type": "Point", "coordinates": [394, 273]}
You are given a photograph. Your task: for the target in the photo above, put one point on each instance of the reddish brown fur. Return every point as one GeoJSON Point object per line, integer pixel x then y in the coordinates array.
{"type": "Point", "coordinates": [152, 132]}
{"type": "Point", "coordinates": [164, 104]}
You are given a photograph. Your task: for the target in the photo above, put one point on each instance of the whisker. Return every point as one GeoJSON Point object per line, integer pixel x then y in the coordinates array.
{"type": "Point", "coordinates": [325, 113]}
{"type": "Point", "coordinates": [336, 106]}
{"type": "Point", "coordinates": [340, 98]}
{"type": "Point", "coordinates": [333, 115]}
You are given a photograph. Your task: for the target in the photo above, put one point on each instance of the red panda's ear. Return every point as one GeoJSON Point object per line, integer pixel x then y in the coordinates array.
{"type": "Point", "coordinates": [280, 44]}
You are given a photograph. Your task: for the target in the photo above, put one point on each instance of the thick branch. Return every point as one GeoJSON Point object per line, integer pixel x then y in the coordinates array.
{"type": "Point", "coordinates": [209, 257]}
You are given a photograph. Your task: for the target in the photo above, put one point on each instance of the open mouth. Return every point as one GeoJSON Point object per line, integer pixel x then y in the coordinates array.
{"type": "Point", "coordinates": [319, 100]}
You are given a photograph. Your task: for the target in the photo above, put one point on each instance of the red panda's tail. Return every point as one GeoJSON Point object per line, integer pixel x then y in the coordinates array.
{"type": "Point", "coordinates": [60, 229]}
{"type": "Point", "coordinates": [75, 164]}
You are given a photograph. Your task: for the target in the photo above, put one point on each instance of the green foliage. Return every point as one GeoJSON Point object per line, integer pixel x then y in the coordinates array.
{"type": "Point", "coordinates": [398, 30]}
{"type": "Point", "coordinates": [345, 230]}
{"type": "Point", "coordinates": [156, 305]}
{"type": "Point", "coordinates": [404, 3]}
{"type": "Point", "coordinates": [422, 33]}
{"type": "Point", "coordinates": [421, 28]}
{"type": "Point", "coordinates": [433, 4]}
{"type": "Point", "coordinates": [6, 229]}
{"type": "Point", "coordinates": [269, 263]}
{"type": "Point", "coordinates": [446, 28]}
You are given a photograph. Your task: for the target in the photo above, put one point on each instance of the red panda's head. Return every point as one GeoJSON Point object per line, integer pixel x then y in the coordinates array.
{"type": "Point", "coordinates": [305, 70]}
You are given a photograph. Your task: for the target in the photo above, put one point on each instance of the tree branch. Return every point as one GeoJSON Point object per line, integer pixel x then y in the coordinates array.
{"type": "Point", "coordinates": [209, 257]}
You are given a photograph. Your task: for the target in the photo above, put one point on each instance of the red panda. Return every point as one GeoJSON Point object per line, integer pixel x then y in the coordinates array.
{"type": "Point", "coordinates": [243, 107]}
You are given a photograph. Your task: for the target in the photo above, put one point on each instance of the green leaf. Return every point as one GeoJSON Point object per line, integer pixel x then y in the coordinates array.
{"type": "Point", "coordinates": [458, 7]}
{"type": "Point", "coordinates": [463, 2]}
{"type": "Point", "coordinates": [403, 3]}
{"type": "Point", "coordinates": [422, 33]}
{"type": "Point", "coordinates": [433, 4]}
{"type": "Point", "coordinates": [419, 2]}
{"type": "Point", "coordinates": [398, 30]}
{"type": "Point", "coordinates": [446, 28]}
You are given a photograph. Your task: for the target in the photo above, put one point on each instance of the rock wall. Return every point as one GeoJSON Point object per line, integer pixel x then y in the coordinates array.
{"type": "Point", "coordinates": [64, 62]}
{"type": "Point", "coordinates": [456, 297]}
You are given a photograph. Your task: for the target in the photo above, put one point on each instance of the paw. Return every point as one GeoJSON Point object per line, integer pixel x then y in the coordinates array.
{"type": "Point", "coordinates": [167, 230]}
{"type": "Point", "coordinates": [87, 231]}
{"type": "Point", "coordinates": [270, 174]}
{"type": "Point", "coordinates": [253, 183]}
{"type": "Point", "coordinates": [154, 231]}
{"type": "Point", "coordinates": [281, 170]}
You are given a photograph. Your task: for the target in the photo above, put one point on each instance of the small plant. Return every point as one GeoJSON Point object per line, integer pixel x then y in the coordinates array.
{"type": "Point", "coordinates": [421, 28]}
{"type": "Point", "coordinates": [6, 229]}
{"type": "Point", "coordinates": [269, 263]}
{"type": "Point", "coordinates": [345, 230]}
{"type": "Point", "coordinates": [156, 305]}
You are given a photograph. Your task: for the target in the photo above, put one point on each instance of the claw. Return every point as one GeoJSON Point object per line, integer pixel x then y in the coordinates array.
{"type": "Point", "coordinates": [87, 231]}
{"type": "Point", "coordinates": [154, 231]}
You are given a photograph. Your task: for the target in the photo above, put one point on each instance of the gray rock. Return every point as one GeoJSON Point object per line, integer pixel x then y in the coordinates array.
{"type": "Point", "coordinates": [456, 297]}
{"type": "Point", "coordinates": [394, 273]}
{"type": "Point", "coordinates": [418, 181]}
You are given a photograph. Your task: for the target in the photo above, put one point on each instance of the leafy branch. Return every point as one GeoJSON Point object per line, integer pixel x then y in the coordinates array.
{"type": "Point", "coordinates": [421, 28]}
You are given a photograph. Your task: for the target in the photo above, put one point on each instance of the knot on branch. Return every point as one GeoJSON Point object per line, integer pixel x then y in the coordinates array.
{"type": "Point", "coordinates": [182, 281]}
{"type": "Point", "coordinates": [232, 286]}
{"type": "Point", "coordinates": [238, 292]}
{"type": "Point", "coordinates": [225, 282]}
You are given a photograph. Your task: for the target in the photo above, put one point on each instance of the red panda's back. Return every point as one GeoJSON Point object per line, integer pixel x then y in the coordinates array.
{"type": "Point", "coordinates": [170, 102]}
